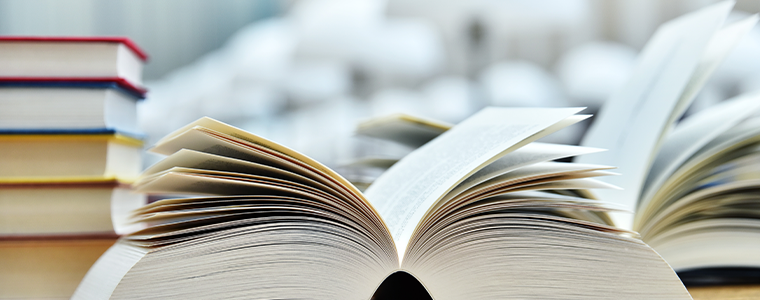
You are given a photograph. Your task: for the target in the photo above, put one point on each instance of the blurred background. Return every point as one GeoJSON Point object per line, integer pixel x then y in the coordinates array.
{"type": "Point", "coordinates": [304, 73]}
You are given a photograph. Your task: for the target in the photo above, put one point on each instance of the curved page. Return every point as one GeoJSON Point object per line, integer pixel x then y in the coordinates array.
{"type": "Point", "coordinates": [404, 193]}
{"type": "Point", "coordinates": [631, 123]}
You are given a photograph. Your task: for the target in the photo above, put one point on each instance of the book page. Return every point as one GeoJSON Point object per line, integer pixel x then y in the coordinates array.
{"type": "Point", "coordinates": [213, 137]}
{"type": "Point", "coordinates": [203, 139]}
{"type": "Point", "coordinates": [717, 50]}
{"type": "Point", "coordinates": [692, 134]}
{"type": "Point", "coordinates": [404, 193]}
{"type": "Point", "coordinates": [726, 146]}
{"type": "Point", "coordinates": [525, 156]}
{"type": "Point", "coordinates": [529, 176]}
{"type": "Point", "coordinates": [568, 184]}
{"type": "Point", "coordinates": [200, 160]}
{"type": "Point", "coordinates": [209, 185]}
{"type": "Point", "coordinates": [169, 144]}
{"type": "Point", "coordinates": [404, 129]}
{"type": "Point", "coordinates": [630, 123]}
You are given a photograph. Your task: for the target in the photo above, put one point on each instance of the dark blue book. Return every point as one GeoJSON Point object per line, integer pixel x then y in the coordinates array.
{"type": "Point", "coordinates": [51, 107]}
{"type": "Point", "coordinates": [83, 131]}
{"type": "Point", "coordinates": [76, 84]}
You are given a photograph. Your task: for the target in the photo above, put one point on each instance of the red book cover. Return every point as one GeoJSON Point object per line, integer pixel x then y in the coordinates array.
{"type": "Point", "coordinates": [77, 81]}
{"type": "Point", "coordinates": [96, 39]}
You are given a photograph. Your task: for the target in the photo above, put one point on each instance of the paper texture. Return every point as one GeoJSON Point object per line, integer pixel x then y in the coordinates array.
{"type": "Point", "coordinates": [407, 190]}
{"type": "Point", "coordinates": [632, 121]}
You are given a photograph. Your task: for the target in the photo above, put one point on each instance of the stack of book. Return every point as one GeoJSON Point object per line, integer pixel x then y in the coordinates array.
{"type": "Point", "coordinates": [69, 149]}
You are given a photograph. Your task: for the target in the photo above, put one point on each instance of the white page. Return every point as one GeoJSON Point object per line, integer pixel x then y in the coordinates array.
{"type": "Point", "coordinates": [630, 123]}
{"type": "Point", "coordinates": [695, 132]}
{"type": "Point", "coordinates": [525, 156]}
{"type": "Point", "coordinates": [691, 138]}
{"type": "Point", "coordinates": [743, 134]}
{"type": "Point", "coordinates": [403, 194]}
{"type": "Point", "coordinates": [569, 184]}
{"type": "Point", "coordinates": [529, 175]}
{"type": "Point", "coordinates": [717, 50]}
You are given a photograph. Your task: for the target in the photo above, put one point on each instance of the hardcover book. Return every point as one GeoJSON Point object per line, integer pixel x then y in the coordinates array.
{"type": "Point", "coordinates": [57, 108]}
{"type": "Point", "coordinates": [72, 59]}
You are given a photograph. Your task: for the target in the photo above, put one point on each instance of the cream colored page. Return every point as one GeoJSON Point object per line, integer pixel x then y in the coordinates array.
{"type": "Point", "coordinates": [694, 133]}
{"type": "Point", "coordinates": [405, 129]}
{"type": "Point", "coordinates": [201, 141]}
{"type": "Point", "coordinates": [630, 123]}
{"type": "Point", "coordinates": [201, 160]}
{"type": "Point", "coordinates": [198, 139]}
{"type": "Point", "coordinates": [171, 144]}
{"type": "Point", "coordinates": [527, 155]}
{"type": "Point", "coordinates": [210, 185]}
{"type": "Point", "coordinates": [404, 193]}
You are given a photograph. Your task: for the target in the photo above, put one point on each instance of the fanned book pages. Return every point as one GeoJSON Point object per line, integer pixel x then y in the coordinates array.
{"type": "Point", "coordinates": [693, 183]}
{"type": "Point", "coordinates": [380, 142]}
{"type": "Point", "coordinates": [473, 214]}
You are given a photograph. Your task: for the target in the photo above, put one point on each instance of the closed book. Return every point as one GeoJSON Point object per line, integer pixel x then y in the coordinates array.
{"type": "Point", "coordinates": [60, 108]}
{"type": "Point", "coordinates": [83, 207]}
{"type": "Point", "coordinates": [68, 157]}
{"type": "Point", "coordinates": [47, 267]}
{"type": "Point", "coordinates": [32, 58]}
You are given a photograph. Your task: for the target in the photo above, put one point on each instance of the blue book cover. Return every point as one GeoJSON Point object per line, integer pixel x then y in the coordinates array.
{"type": "Point", "coordinates": [75, 84]}
{"type": "Point", "coordinates": [68, 131]}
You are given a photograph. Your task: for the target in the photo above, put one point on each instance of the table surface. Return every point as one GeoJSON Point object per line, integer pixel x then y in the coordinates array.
{"type": "Point", "coordinates": [725, 292]}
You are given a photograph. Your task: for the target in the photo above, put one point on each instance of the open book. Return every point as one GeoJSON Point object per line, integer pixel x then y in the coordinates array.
{"type": "Point", "coordinates": [475, 213]}
{"type": "Point", "coordinates": [693, 183]}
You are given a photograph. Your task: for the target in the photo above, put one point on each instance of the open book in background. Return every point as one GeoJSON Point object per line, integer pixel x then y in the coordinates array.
{"type": "Point", "coordinates": [472, 214]}
{"type": "Point", "coordinates": [693, 183]}
{"type": "Point", "coordinates": [383, 141]}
